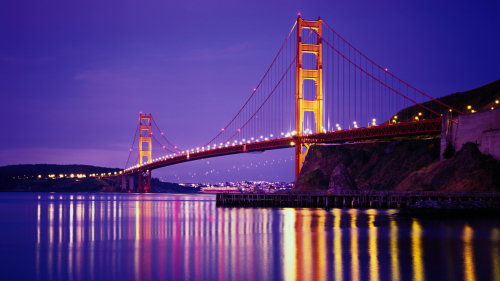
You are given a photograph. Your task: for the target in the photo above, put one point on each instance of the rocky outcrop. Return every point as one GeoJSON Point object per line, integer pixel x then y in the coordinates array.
{"type": "Point", "coordinates": [368, 163]}
{"type": "Point", "coordinates": [341, 180]}
{"type": "Point", "coordinates": [467, 170]}
{"type": "Point", "coordinates": [400, 165]}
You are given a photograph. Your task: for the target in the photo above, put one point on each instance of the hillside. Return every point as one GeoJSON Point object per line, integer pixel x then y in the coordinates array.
{"type": "Point", "coordinates": [13, 176]}
{"type": "Point", "coordinates": [28, 171]}
{"type": "Point", "coordinates": [401, 165]}
{"type": "Point", "coordinates": [482, 98]}
{"type": "Point", "coordinates": [36, 178]}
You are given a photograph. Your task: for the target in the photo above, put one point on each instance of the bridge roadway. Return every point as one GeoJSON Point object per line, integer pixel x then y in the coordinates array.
{"type": "Point", "coordinates": [431, 126]}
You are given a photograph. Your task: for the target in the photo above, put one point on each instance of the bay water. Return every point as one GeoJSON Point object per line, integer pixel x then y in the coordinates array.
{"type": "Point", "coordinates": [116, 236]}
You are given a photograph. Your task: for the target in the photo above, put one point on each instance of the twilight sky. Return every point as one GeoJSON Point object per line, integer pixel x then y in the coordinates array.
{"type": "Point", "coordinates": [75, 74]}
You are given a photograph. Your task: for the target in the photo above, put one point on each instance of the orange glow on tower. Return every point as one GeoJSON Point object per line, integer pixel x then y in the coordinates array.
{"type": "Point", "coordinates": [301, 105]}
{"type": "Point", "coordinates": [145, 138]}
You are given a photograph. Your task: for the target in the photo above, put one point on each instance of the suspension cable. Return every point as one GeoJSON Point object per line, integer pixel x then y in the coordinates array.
{"type": "Point", "coordinates": [175, 147]}
{"type": "Point", "coordinates": [416, 103]}
{"type": "Point", "coordinates": [132, 147]}
{"type": "Point", "coordinates": [388, 71]}
{"type": "Point", "coordinates": [256, 88]}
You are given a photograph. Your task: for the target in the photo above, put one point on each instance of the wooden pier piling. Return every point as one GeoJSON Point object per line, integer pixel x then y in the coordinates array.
{"type": "Point", "coordinates": [348, 199]}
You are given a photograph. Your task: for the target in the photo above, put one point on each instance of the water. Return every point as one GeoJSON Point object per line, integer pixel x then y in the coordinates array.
{"type": "Point", "coordinates": [86, 236]}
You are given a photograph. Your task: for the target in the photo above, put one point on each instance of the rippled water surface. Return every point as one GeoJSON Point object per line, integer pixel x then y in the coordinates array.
{"type": "Point", "coordinates": [96, 236]}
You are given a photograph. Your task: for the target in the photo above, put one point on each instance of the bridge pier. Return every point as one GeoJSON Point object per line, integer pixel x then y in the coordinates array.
{"type": "Point", "coordinates": [127, 183]}
{"type": "Point", "coordinates": [144, 181]}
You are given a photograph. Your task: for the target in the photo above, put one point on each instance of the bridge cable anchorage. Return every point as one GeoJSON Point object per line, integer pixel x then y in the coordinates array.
{"type": "Point", "coordinates": [132, 147]}
{"type": "Point", "coordinates": [256, 88]}
{"type": "Point", "coordinates": [382, 83]}
{"type": "Point", "coordinates": [161, 133]}
{"type": "Point", "coordinates": [388, 71]}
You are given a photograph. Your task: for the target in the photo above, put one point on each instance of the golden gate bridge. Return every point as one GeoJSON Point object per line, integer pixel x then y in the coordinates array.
{"type": "Point", "coordinates": [318, 89]}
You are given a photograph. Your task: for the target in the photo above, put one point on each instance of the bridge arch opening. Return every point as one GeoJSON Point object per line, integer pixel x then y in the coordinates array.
{"type": "Point", "coordinates": [309, 61]}
{"type": "Point", "coordinates": [309, 89]}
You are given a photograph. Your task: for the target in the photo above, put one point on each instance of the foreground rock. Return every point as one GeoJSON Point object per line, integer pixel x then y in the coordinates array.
{"type": "Point", "coordinates": [341, 180]}
{"type": "Point", "coordinates": [406, 165]}
{"type": "Point", "coordinates": [454, 209]}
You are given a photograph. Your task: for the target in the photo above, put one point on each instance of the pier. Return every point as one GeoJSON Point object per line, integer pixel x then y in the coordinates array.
{"type": "Point", "coordinates": [349, 199]}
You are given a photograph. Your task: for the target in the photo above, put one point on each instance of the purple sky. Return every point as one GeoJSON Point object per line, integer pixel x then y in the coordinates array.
{"type": "Point", "coordinates": [75, 74]}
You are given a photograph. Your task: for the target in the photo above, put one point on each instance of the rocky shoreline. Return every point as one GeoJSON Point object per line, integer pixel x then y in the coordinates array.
{"type": "Point", "coordinates": [453, 209]}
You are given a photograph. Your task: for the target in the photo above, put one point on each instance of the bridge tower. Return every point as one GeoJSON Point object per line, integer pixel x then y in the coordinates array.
{"type": "Point", "coordinates": [145, 139]}
{"type": "Point", "coordinates": [302, 105]}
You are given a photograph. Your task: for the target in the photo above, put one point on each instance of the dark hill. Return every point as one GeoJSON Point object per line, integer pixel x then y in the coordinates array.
{"type": "Point", "coordinates": [19, 176]}
{"type": "Point", "coordinates": [36, 178]}
{"type": "Point", "coordinates": [401, 165]}
{"type": "Point", "coordinates": [481, 98]}
{"type": "Point", "coordinates": [44, 170]}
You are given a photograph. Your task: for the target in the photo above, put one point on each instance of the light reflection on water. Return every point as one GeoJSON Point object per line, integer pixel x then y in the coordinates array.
{"type": "Point", "coordinates": [61, 236]}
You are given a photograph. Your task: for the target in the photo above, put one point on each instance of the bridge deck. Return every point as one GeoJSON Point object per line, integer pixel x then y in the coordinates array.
{"type": "Point", "coordinates": [432, 126]}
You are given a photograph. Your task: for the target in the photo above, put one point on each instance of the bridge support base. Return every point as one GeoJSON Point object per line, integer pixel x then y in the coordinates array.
{"type": "Point", "coordinates": [144, 181]}
{"type": "Point", "coordinates": [127, 183]}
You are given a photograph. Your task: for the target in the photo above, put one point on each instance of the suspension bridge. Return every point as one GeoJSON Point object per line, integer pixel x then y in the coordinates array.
{"type": "Point", "coordinates": [318, 89]}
